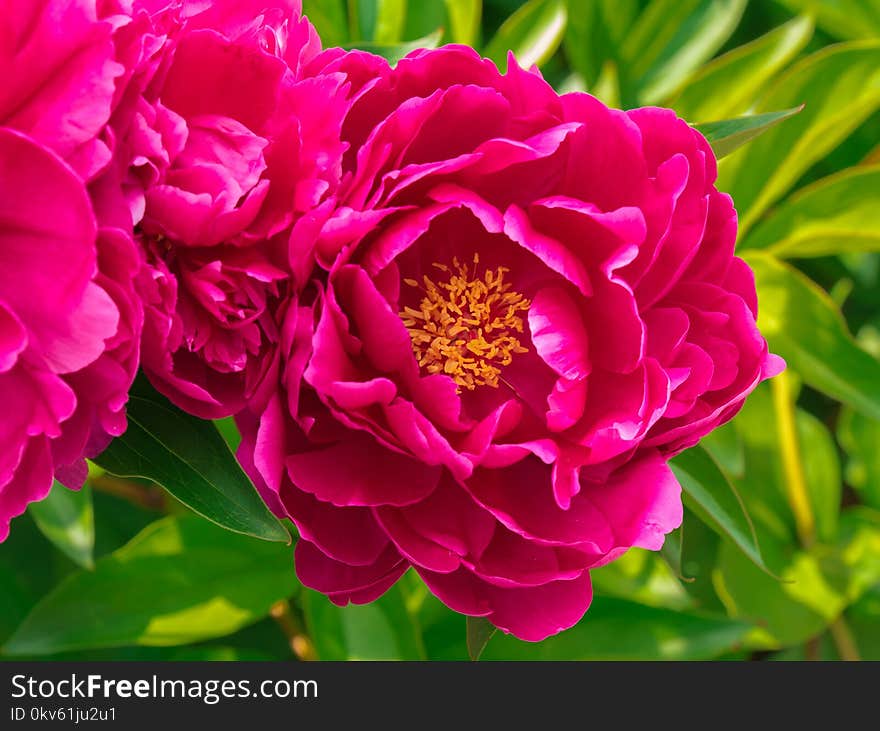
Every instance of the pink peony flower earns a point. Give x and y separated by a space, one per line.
232 140
70 325
531 302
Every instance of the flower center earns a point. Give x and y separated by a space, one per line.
465 327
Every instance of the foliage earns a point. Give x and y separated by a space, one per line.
779 553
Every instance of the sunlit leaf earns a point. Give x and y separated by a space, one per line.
67 518
533 33
695 41
840 86
464 20
728 85
838 214
181 580
844 18
802 325
393 53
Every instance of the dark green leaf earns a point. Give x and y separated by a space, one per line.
181 580
479 632
729 134
66 518
709 494
189 458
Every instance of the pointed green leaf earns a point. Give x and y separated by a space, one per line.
728 85
533 33
709 494
840 87
802 324
189 458
479 632
727 135
180 580
329 19
67 518
838 214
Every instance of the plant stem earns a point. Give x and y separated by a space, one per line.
844 640
795 481
300 644
148 498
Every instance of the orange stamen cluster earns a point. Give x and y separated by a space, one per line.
465 327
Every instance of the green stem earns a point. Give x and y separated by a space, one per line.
844 640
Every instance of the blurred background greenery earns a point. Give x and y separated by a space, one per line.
779 554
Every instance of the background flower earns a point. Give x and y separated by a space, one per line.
232 141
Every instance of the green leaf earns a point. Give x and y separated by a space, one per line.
728 85
617 629
390 21
821 467
189 458
835 215
382 630
67 518
843 18
641 576
328 17
699 552
393 53
181 580
840 86
694 42
709 494
479 632
802 325
464 20
594 33
533 33
727 135
860 437
790 610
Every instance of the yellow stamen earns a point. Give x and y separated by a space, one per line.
465 327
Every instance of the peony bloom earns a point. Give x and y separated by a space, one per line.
530 304
69 325
232 140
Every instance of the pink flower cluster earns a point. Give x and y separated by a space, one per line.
462 321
